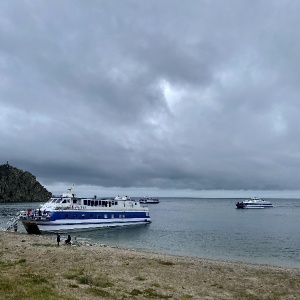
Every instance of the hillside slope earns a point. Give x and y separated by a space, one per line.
19 186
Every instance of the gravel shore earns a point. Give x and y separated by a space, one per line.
33 267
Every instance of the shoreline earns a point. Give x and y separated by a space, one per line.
118 273
90 242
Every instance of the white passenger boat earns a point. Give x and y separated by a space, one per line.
123 198
254 203
66 212
149 200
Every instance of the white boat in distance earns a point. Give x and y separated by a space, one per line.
66 212
254 203
149 200
122 198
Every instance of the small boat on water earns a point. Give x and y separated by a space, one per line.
122 198
254 203
66 212
149 200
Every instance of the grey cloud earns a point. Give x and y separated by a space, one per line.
172 95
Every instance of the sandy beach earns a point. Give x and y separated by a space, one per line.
34 267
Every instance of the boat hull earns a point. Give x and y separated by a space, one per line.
40 226
82 220
252 206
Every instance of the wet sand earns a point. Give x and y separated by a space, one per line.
94 271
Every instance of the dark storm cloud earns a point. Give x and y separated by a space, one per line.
160 94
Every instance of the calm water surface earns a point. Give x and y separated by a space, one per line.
206 228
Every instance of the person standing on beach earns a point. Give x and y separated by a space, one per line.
58 239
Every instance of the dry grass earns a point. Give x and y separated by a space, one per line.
32 267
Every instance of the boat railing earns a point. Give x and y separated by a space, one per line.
110 208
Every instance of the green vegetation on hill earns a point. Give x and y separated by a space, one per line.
19 186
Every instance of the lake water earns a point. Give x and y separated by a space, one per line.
206 228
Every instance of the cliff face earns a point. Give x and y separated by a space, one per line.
19 186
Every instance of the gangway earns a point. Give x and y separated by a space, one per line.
13 222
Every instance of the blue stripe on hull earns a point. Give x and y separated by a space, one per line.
78 220
84 215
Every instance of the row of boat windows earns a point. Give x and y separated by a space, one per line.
103 203
92 216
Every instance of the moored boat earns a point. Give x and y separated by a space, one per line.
122 198
149 200
254 203
67 212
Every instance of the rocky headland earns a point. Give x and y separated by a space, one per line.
20 186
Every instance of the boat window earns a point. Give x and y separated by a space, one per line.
105 216
89 202
96 203
99 216
75 201
67 216
116 202
92 216
83 216
112 216
75 216
84 202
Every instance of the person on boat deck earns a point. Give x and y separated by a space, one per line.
68 240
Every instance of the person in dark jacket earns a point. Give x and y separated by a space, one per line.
68 240
58 239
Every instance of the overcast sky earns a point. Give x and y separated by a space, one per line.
161 97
